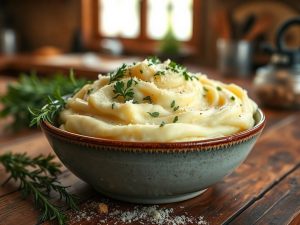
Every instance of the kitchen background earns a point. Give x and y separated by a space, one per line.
61 25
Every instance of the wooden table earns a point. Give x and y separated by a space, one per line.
265 189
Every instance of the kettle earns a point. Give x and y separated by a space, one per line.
278 83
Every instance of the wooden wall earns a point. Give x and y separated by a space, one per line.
44 22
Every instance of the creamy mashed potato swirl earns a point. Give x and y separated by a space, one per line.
158 102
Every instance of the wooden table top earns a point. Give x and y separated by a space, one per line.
265 189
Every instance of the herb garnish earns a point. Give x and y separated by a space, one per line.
153 114
38 177
205 88
162 123
177 68
49 111
90 91
219 88
232 98
158 73
118 74
30 91
175 119
187 76
153 59
148 98
113 105
124 91
175 108
172 103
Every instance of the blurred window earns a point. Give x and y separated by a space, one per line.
119 18
181 18
141 24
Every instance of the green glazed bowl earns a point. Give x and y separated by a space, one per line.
152 173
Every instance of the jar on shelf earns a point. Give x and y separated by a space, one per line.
278 83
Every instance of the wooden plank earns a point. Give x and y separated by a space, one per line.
280 205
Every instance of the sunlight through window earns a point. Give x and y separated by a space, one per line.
119 18
181 18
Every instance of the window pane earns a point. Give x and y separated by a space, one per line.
157 18
181 18
119 18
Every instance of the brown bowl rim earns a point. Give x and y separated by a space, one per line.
129 145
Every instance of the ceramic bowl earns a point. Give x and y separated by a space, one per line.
151 173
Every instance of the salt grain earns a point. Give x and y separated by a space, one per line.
137 214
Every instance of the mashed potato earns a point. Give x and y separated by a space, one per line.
159 102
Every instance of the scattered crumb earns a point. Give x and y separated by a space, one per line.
103 208
137 214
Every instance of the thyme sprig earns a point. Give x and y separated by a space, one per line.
37 177
118 74
49 111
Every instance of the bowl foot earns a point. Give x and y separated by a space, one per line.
158 200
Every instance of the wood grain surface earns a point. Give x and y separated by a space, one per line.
265 189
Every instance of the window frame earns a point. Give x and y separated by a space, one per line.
141 44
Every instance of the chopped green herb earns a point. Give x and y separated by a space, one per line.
125 92
153 114
141 71
205 88
90 91
172 103
113 105
118 74
162 124
148 98
232 98
153 59
176 108
134 63
158 73
219 88
187 76
175 67
175 119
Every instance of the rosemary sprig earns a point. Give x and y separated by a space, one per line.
30 91
38 177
